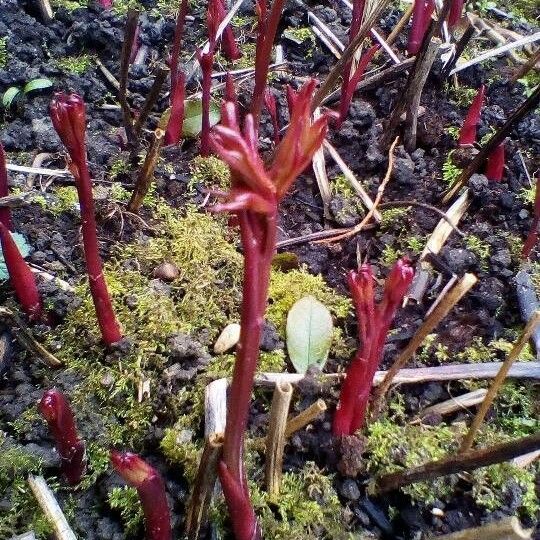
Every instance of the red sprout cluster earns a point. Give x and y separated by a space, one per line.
374 322
69 120
421 18
532 237
254 197
151 490
55 408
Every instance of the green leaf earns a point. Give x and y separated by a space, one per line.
37 84
9 95
309 334
24 248
193 117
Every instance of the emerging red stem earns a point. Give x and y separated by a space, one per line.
420 22
173 133
456 10
21 277
266 33
151 490
374 323
55 408
495 164
175 49
5 211
467 135
271 107
532 237
229 46
69 120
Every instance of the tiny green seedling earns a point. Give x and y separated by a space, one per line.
14 93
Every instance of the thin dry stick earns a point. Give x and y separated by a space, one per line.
147 172
429 324
498 137
110 78
527 66
296 423
505 529
26 339
319 170
380 192
400 25
458 403
151 98
319 235
215 407
466 445
203 488
349 175
414 93
46 11
275 441
333 77
51 508
457 463
132 20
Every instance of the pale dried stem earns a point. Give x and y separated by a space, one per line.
275 441
458 403
48 503
467 443
203 487
429 324
506 529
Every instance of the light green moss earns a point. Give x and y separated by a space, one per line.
392 217
341 186
481 249
450 171
210 172
65 199
3 52
126 500
76 64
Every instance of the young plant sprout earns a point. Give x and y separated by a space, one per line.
374 323
254 197
456 11
55 408
421 18
21 277
229 46
532 237
5 211
69 120
151 490
495 164
467 134
271 107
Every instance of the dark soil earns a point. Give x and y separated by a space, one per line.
488 312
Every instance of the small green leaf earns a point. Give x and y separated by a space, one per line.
309 334
37 84
9 95
24 248
193 117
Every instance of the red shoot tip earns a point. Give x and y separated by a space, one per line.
456 10
467 135
55 408
495 164
151 489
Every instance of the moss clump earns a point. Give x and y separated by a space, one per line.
126 500
461 95
210 172
341 186
65 199
392 217
3 52
288 287
450 171
76 65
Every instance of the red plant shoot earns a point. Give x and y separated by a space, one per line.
467 134
254 197
420 22
229 46
21 277
106 4
373 325
495 164
5 211
151 490
456 10
55 408
69 120
271 107
532 237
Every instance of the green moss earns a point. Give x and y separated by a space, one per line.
65 200
76 64
3 52
392 217
288 287
341 186
390 255
453 131
461 95
70 5
119 166
450 171
126 501
481 249
210 172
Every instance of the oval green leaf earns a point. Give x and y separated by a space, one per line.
37 84
309 334
193 117
24 248
9 95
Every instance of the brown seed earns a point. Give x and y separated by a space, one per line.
166 271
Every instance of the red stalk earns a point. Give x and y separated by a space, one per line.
151 490
21 277
467 135
106 4
266 33
456 10
175 49
230 92
229 46
420 22
5 212
254 197
69 120
271 107
532 237
135 44
173 134
374 322
55 408
495 164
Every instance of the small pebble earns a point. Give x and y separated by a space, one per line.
166 271
228 338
